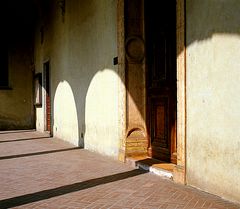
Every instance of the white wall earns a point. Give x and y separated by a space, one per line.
84 82
213 86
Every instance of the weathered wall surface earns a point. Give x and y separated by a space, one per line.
213 86
80 46
16 103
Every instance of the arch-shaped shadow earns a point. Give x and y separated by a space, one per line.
84 44
84 66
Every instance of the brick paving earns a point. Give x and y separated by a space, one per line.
41 172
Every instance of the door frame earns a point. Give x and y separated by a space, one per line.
47 78
179 173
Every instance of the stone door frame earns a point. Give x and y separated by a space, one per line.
179 173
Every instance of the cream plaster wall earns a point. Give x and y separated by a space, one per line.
16 104
80 46
101 113
213 86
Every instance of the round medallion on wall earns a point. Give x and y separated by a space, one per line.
135 49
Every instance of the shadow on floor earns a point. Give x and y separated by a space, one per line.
38 153
46 194
25 139
17 131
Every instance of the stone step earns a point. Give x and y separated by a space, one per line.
164 170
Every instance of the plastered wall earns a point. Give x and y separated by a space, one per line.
213 86
16 103
80 44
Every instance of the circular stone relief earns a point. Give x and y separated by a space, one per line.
135 49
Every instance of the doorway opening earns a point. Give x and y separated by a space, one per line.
152 54
161 90
46 73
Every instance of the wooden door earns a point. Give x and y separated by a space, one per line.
160 31
48 101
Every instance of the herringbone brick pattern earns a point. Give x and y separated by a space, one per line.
41 172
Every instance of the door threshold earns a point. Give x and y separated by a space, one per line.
152 165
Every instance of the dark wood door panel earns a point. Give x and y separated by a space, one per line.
160 30
159 127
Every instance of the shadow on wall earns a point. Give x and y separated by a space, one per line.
85 85
87 66
16 76
207 18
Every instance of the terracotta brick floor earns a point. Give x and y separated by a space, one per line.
41 172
